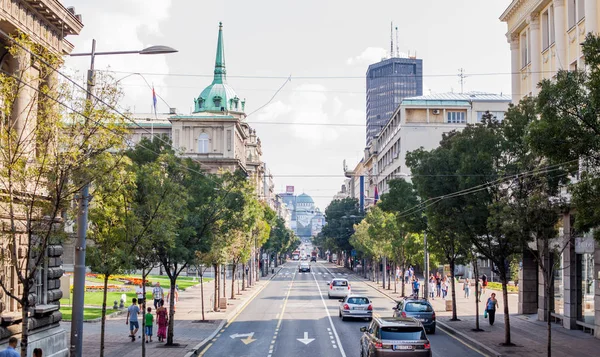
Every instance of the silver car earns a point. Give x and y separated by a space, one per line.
357 306
339 288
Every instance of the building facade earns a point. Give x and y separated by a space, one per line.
420 122
544 37
388 82
46 23
215 133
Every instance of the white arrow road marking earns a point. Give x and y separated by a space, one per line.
305 340
246 340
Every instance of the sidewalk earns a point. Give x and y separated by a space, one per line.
527 333
190 333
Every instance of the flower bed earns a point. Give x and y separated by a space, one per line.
110 287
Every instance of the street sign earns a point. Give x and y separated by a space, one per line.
353 252
289 189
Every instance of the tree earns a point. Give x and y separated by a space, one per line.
340 216
109 221
382 231
47 154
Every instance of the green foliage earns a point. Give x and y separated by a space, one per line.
340 216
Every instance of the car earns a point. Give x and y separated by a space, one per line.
338 288
394 336
357 306
304 267
419 309
313 258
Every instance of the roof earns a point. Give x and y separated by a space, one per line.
467 96
395 321
304 198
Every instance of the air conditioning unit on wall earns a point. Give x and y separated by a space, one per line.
436 111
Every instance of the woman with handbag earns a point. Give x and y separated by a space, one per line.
490 308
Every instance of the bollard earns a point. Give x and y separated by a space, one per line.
116 305
122 304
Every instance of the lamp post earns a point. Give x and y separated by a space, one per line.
82 212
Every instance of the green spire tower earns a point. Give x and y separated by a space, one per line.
219 96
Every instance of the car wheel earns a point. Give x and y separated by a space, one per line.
432 331
369 319
343 318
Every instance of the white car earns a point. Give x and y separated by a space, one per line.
358 306
339 288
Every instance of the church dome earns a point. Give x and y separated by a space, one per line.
219 96
304 198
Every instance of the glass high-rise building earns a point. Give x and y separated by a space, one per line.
388 82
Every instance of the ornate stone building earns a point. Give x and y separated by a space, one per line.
47 23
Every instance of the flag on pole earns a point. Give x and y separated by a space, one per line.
376 198
154 99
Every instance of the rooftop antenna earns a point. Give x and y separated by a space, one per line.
462 77
397 47
391 39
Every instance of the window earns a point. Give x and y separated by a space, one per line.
229 140
203 143
498 115
571 13
456 117
403 333
524 49
580 10
548 27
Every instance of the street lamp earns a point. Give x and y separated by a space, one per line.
82 213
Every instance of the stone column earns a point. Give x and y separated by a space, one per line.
591 16
560 34
528 285
515 68
569 277
21 114
535 51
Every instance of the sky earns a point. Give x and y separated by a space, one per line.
317 119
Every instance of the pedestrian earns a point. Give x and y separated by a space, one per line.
157 294
438 284
10 351
432 288
132 319
175 295
37 352
416 285
484 283
139 291
490 307
444 288
148 322
478 297
162 320
466 288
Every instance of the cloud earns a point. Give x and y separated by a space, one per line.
369 56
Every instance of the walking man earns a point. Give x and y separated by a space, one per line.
416 287
157 294
132 319
10 350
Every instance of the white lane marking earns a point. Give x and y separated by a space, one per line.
330 321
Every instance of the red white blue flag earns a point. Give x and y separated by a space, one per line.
154 99
376 198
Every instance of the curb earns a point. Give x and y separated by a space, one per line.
448 328
196 349
98 319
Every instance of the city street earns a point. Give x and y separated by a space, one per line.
293 316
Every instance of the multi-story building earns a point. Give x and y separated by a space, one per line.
302 213
544 37
388 82
215 133
47 23
421 122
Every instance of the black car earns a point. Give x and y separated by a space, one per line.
419 309
313 258
394 336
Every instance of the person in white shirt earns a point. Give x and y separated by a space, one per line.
158 295
139 291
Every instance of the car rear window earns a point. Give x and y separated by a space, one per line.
418 307
340 283
358 300
402 333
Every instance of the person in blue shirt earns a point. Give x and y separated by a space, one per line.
10 350
491 305
416 285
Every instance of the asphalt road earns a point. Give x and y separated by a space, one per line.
292 316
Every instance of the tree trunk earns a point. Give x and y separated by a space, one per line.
548 314
243 277
103 321
233 281
202 293
507 340
454 314
171 329
224 280
217 274
25 322
143 322
476 272
395 278
403 275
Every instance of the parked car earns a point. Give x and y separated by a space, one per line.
394 336
357 306
304 267
339 288
420 309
